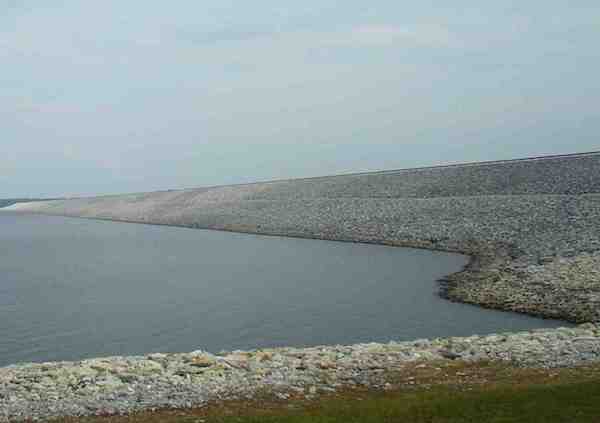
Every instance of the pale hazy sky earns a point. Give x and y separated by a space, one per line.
117 96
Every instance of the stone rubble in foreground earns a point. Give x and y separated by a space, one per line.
119 385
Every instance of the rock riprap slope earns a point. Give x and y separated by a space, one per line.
531 226
127 384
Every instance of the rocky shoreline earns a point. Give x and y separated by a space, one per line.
521 221
532 229
118 385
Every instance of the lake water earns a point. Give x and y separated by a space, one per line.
76 288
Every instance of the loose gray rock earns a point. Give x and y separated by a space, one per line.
117 385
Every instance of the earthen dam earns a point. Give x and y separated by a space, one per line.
531 226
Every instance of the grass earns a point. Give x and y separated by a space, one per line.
459 393
576 402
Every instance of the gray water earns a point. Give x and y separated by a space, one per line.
76 288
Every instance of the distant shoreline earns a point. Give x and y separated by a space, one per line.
506 262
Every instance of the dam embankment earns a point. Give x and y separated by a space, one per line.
532 226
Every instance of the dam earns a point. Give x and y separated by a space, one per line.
530 224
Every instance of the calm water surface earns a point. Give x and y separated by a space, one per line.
74 288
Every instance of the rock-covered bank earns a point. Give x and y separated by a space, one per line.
127 384
531 226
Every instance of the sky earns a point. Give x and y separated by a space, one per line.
127 96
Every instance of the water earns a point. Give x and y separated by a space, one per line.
75 288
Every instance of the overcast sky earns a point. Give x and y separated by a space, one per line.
119 96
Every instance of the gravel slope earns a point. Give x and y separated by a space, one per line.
127 384
518 219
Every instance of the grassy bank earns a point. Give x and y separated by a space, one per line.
444 392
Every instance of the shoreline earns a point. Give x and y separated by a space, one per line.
486 262
534 249
123 385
